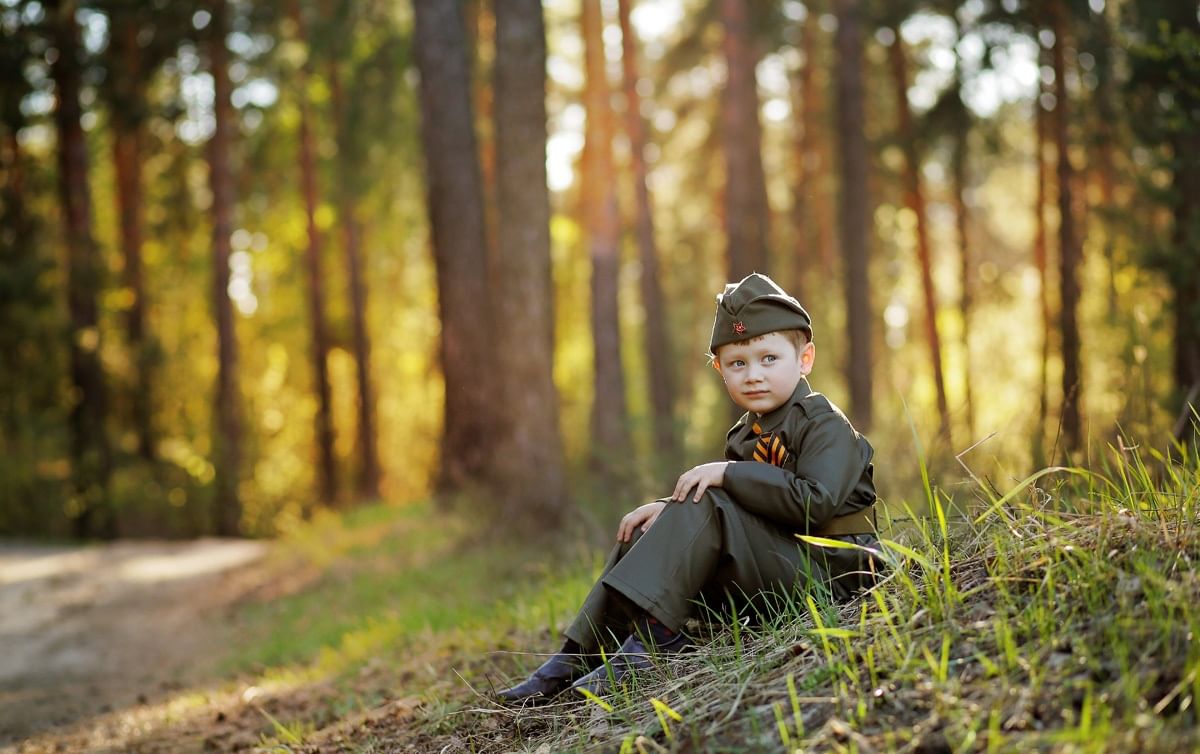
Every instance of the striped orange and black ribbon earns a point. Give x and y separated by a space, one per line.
769 448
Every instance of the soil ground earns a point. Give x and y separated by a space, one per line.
90 631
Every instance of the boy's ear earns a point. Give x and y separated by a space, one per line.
807 355
716 364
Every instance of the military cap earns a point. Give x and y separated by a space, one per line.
755 306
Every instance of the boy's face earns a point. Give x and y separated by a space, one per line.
761 375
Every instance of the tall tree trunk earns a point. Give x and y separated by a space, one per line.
90 451
529 465
818 127
480 26
368 452
854 215
914 199
227 439
1186 282
609 427
962 218
659 363
319 344
1040 257
127 125
459 235
1070 252
802 147
966 298
747 213
1106 122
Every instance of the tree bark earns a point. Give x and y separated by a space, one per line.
609 428
457 226
1186 284
1108 136
368 452
914 199
853 208
90 451
1185 237
127 124
962 219
529 463
747 213
1040 258
227 405
657 346
818 123
802 97
1070 251
319 344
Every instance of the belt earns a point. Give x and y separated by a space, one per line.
859 522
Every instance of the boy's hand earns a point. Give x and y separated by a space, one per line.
701 478
643 516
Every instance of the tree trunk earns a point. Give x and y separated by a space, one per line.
817 131
319 345
914 199
802 96
1186 283
1070 252
529 465
368 476
609 427
90 451
480 28
127 120
457 226
228 435
1108 136
747 221
854 215
962 218
659 363
1040 257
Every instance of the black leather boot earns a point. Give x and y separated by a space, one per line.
552 678
632 657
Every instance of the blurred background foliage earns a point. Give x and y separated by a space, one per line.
1019 111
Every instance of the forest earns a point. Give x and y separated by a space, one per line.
374 282
265 258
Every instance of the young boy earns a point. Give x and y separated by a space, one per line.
794 466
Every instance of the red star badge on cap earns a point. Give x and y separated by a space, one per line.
739 328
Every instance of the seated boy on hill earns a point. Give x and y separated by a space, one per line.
794 465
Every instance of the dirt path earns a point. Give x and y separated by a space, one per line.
84 631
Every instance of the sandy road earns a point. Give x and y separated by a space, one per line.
88 630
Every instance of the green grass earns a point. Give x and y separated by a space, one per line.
1062 615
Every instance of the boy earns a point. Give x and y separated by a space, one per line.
794 465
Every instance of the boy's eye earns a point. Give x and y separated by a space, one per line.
769 358
738 363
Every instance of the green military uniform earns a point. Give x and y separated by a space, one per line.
799 469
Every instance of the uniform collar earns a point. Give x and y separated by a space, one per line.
771 420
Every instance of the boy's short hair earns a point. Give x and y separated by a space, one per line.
798 338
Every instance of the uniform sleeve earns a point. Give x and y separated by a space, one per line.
829 463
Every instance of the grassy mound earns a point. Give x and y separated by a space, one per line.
1059 618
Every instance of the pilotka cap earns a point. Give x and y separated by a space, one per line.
755 306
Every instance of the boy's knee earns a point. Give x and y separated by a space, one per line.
711 502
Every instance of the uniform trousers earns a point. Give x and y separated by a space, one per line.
711 551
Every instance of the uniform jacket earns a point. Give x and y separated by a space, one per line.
816 467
